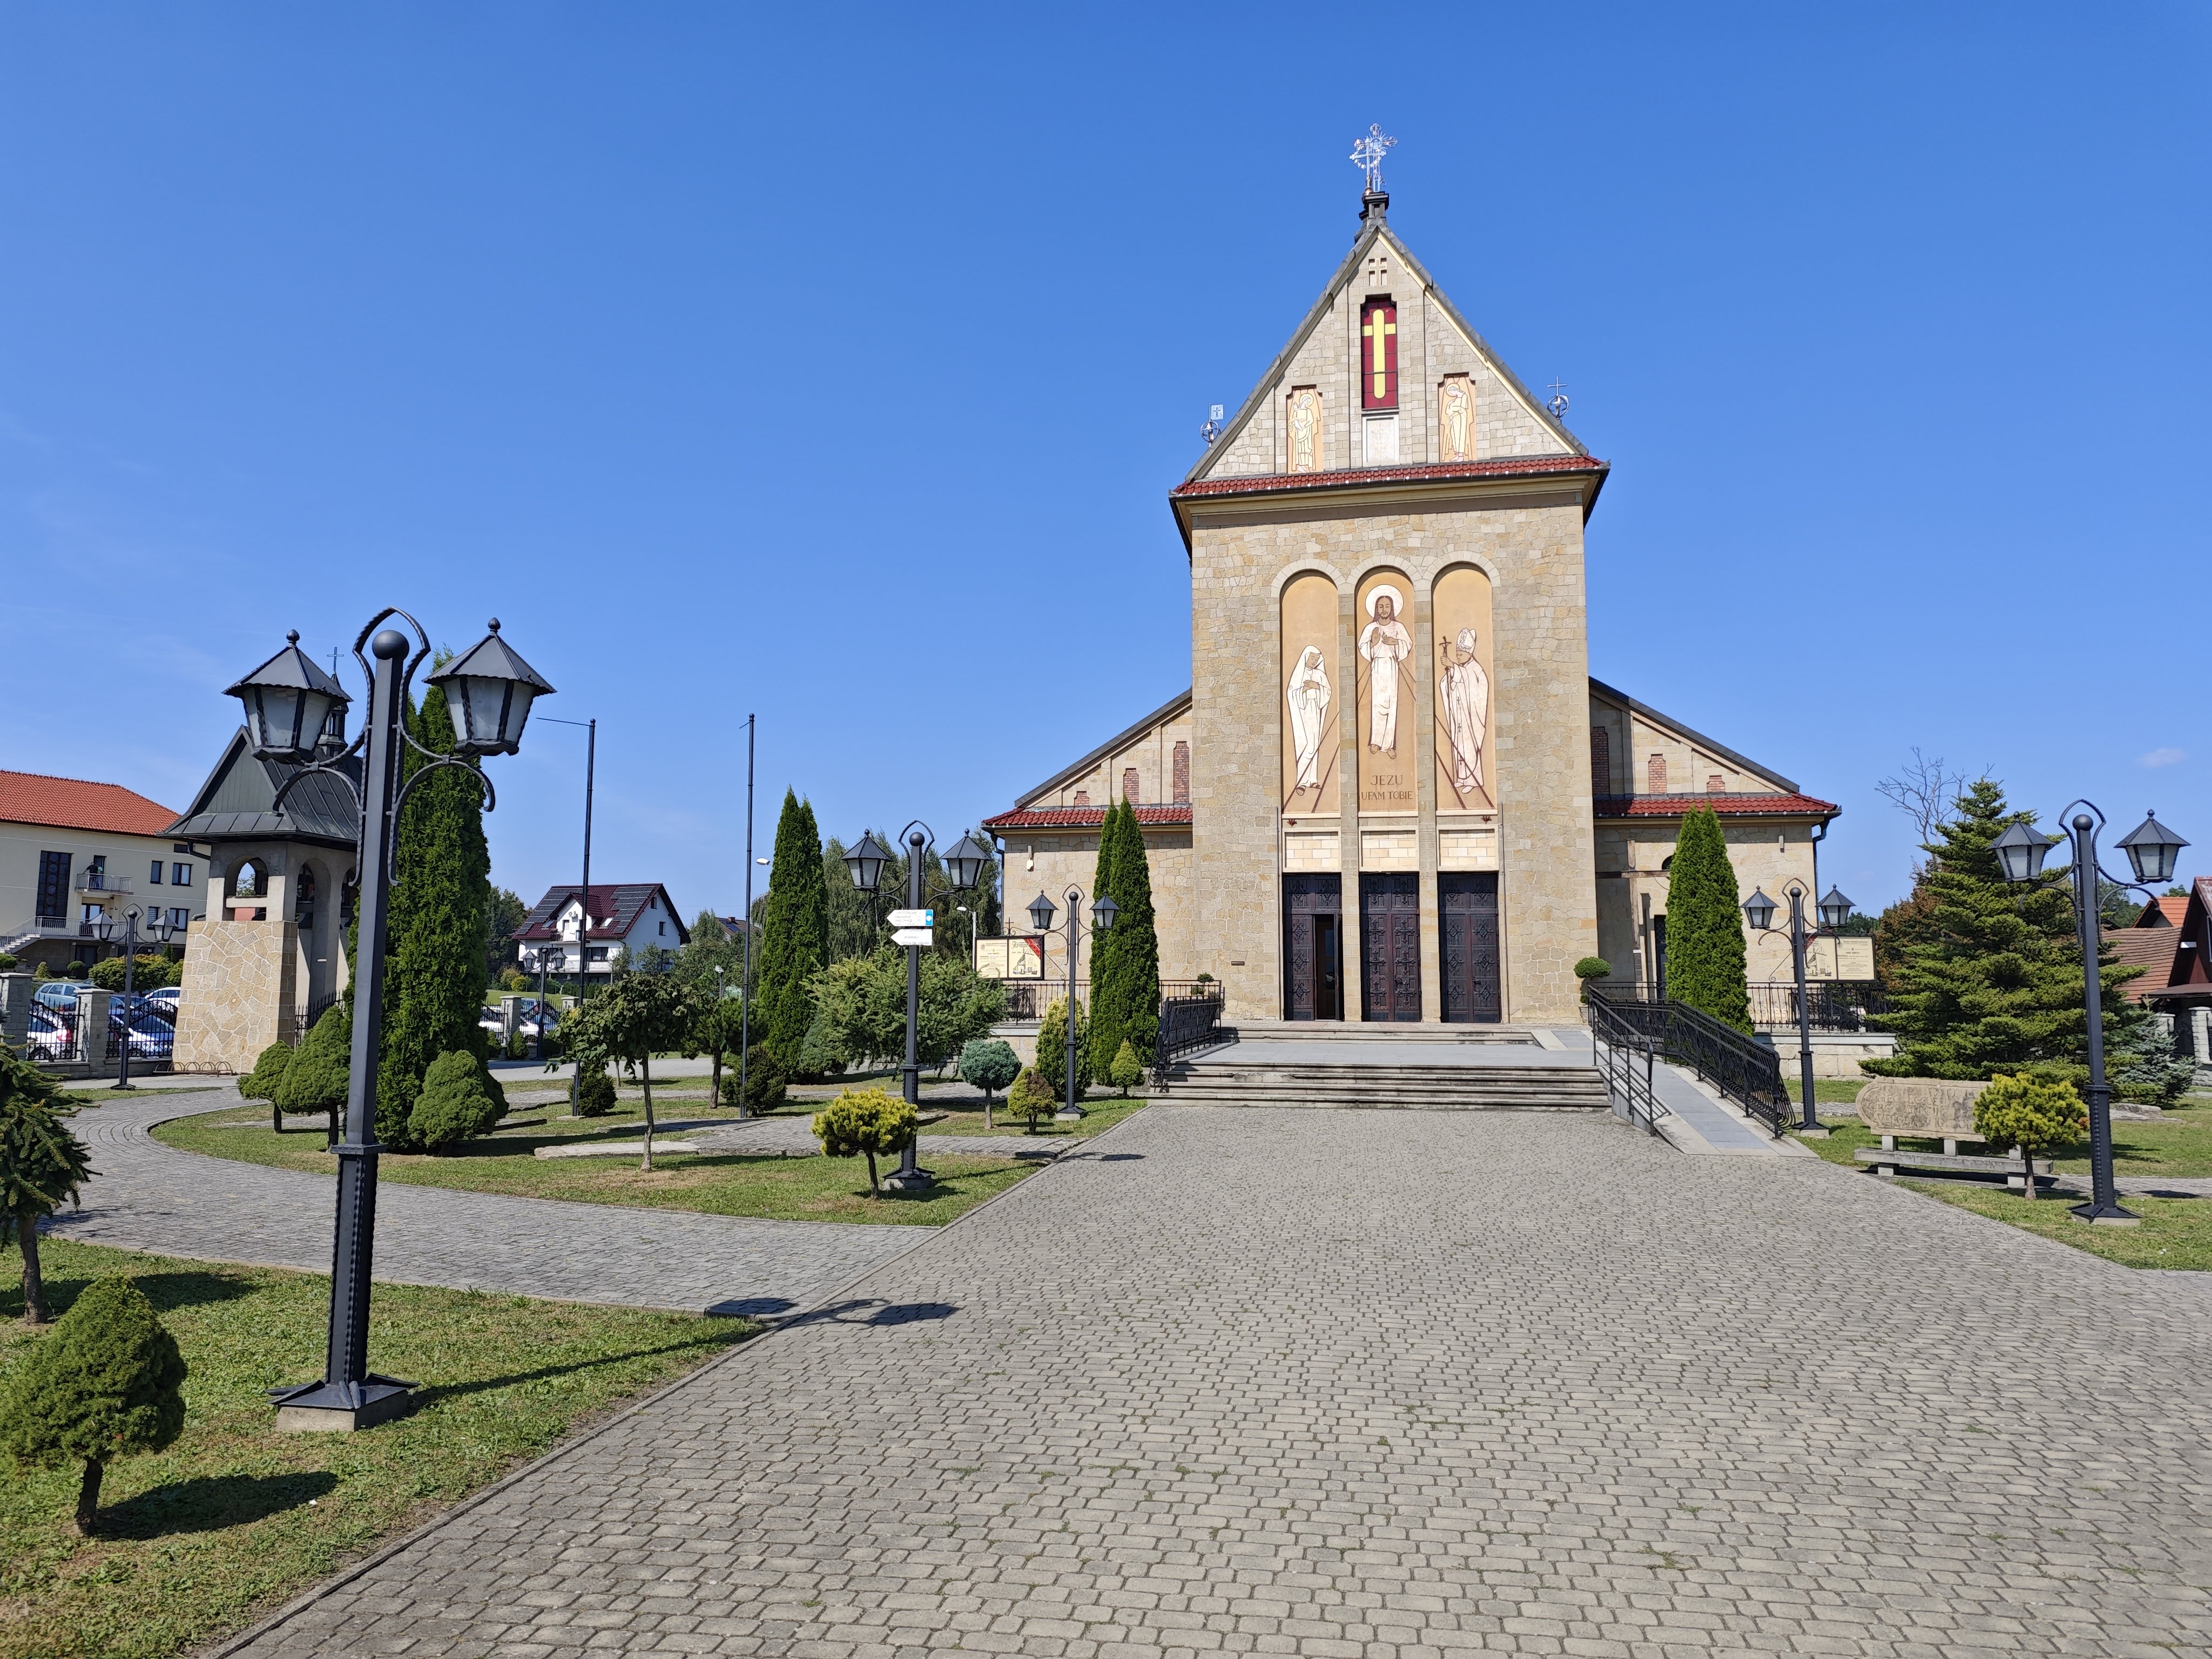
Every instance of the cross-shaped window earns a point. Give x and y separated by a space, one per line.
1378 354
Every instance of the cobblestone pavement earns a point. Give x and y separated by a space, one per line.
793 1137
152 1197
1383 1386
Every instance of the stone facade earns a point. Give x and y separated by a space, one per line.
267 959
1561 813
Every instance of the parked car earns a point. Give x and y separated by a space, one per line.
60 994
48 1038
168 996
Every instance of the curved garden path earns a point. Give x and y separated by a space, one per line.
151 1197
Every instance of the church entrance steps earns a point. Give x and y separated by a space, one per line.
1410 1076
1378 1031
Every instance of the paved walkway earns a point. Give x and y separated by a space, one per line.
1697 1121
152 1197
1387 1386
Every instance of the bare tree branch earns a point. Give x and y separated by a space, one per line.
1924 791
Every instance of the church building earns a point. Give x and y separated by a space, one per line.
1393 792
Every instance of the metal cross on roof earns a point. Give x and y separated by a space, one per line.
1558 404
1367 155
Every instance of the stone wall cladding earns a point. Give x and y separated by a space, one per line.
239 991
1533 549
1072 858
1767 853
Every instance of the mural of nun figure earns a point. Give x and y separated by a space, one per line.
1309 698
1466 710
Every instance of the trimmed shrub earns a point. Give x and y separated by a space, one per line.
1705 927
456 1102
2033 1113
1591 967
865 1123
1052 1049
6 963
74 970
1032 1098
265 1078
318 1077
765 1083
148 972
990 1065
107 1383
794 936
1126 1070
595 1095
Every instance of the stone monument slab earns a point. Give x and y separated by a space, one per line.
1936 1107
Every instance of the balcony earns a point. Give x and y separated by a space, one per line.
102 887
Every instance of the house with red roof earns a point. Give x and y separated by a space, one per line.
72 851
627 919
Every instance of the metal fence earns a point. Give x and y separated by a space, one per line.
1626 1056
1834 1007
1188 1019
1028 999
1745 1071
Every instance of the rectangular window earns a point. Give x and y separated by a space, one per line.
599 952
53 889
180 920
664 933
180 875
1601 760
155 879
1378 354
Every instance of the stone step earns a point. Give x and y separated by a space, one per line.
1346 1030
1430 1088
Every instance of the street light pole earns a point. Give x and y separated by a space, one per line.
288 703
2151 849
1834 911
1103 912
158 931
745 1013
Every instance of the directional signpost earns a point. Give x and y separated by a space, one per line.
911 928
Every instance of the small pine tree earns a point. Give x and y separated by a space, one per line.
265 1078
988 1064
1124 967
1052 1050
765 1083
1704 928
794 936
318 1078
108 1382
1032 1098
41 1164
457 1102
2033 1113
865 1123
595 1094
1126 1070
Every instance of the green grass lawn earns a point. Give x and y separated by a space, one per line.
1843 1091
783 1189
1100 1113
2175 1232
2180 1144
234 1518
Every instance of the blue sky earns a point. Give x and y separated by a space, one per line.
835 363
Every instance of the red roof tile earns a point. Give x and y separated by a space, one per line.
2171 906
1509 466
1672 806
1082 817
74 803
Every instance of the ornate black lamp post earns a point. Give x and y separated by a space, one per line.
157 932
963 865
2151 849
542 960
1102 916
1834 911
288 702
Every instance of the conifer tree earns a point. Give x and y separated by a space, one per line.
1988 978
1125 973
41 1164
794 936
319 1077
107 1383
435 976
1105 1034
1705 927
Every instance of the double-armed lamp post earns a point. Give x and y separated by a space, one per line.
1834 911
2152 849
1102 916
913 927
157 932
294 717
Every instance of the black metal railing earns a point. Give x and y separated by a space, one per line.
1626 1056
1746 1072
1834 1006
1189 1019
1028 999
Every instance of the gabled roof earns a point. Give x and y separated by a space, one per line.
1788 786
1161 814
1178 704
1790 805
2165 911
238 802
75 803
1375 230
2177 957
615 908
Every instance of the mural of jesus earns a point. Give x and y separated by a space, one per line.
1383 644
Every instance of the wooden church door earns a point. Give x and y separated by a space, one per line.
1469 904
1390 953
1313 917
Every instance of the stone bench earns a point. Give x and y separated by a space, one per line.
1931 1108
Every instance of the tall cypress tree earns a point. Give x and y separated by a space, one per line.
1704 928
435 977
1105 1006
1125 975
1990 977
794 935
